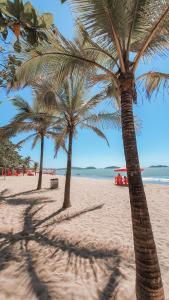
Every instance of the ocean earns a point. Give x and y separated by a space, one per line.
149 175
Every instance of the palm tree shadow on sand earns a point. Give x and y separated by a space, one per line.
86 263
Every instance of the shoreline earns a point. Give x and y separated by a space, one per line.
99 178
155 182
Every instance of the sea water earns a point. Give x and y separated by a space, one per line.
149 175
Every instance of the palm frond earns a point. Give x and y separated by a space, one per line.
58 59
106 21
158 24
60 140
26 139
36 138
137 26
21 105
7 131
106 120
16 127
95 130
33 118
58 144
109 32
90 104
109 89
153 81
90 44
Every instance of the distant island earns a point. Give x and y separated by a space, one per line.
159 166
90 168
111 167
78 168
73 168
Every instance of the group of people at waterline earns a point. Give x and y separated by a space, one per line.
119 180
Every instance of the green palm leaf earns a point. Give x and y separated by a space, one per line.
105 119
60 140
36 139
153 81
23 141
95 130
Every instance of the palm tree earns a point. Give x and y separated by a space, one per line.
74 111
33 119
114 37
26 164
35 167
27 161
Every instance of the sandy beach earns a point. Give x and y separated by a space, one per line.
83 253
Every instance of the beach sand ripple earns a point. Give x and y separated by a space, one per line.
85 252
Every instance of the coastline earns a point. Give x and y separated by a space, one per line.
146 180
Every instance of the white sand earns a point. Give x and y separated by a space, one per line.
85 252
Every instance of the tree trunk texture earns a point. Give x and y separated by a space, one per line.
66 202
41 164
148 277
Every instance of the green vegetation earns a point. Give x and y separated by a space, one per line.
7 69
35 167
112 167
75 111
90 168
34 120
159 166
73 168
27 162
23 20
9 156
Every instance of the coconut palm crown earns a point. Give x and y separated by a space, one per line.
75 111
36 120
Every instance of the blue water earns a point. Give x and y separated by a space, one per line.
150 175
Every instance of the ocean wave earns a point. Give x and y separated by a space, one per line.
156 179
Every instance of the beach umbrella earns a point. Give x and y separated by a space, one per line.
125 170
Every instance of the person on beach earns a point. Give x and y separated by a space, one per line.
23 170
3 172
9 173
118 179
125 180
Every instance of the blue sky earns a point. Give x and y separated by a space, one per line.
89 150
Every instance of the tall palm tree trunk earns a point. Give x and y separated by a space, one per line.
66 202
148 277
41 163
